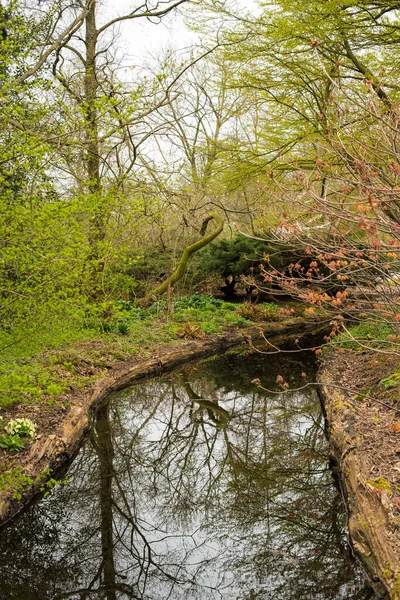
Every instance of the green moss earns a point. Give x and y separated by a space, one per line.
381 484
340 405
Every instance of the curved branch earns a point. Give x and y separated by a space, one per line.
189 250
135 14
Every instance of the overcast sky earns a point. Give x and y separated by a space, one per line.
140 38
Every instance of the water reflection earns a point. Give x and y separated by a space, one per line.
197 486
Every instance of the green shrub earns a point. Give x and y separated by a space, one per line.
237 256
199 301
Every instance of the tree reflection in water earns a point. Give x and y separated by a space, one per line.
196 486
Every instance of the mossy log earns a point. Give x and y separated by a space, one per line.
182 266
373 528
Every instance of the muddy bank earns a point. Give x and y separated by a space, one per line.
366 447
51 452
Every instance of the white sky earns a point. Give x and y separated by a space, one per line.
140 38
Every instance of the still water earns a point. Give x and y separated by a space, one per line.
196 486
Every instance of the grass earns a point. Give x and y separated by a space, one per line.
372 335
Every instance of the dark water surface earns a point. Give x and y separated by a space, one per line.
196 486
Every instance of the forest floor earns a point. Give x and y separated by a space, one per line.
361 396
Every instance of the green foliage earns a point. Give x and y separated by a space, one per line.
11 442
198 301
131 272
123 327
253 258
235 320
43 239
210 327
212 313
49 483
28 382
16 481
373 335
136 313
391 382
238 256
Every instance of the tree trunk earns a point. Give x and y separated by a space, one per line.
96 210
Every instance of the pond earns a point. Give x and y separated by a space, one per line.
199 485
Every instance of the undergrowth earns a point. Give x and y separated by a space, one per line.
43 367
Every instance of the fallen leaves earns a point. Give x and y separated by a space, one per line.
394 427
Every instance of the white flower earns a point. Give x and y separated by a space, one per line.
21 427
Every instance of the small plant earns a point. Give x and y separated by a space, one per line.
21 428
234 320
124 305
51 483
199 301
391 382
192 331
15 480
123 327
106 327
13 443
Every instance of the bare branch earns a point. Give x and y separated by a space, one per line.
137 15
